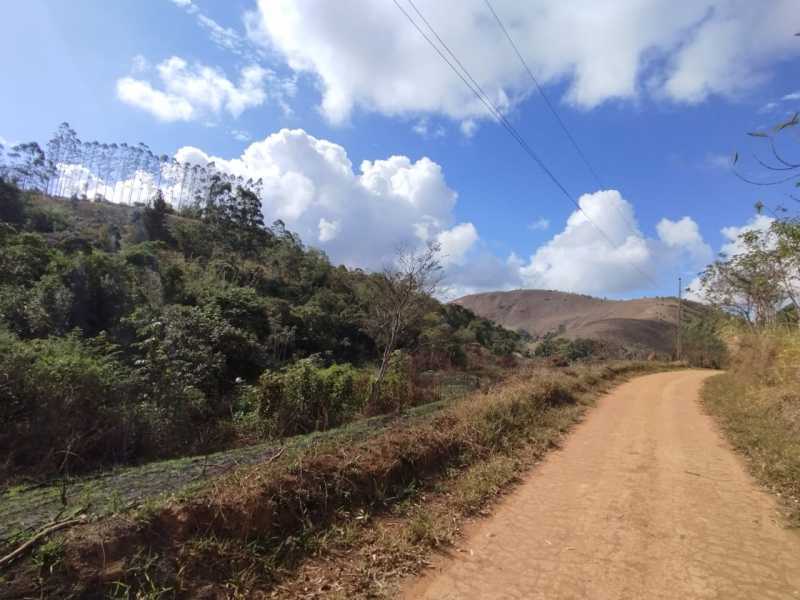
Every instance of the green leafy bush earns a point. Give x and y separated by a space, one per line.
65 404
188 346
570 350
24 258
702 345
48 219
397 390
306 398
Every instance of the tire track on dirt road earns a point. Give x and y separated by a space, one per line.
644 500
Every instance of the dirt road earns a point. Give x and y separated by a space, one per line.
644 501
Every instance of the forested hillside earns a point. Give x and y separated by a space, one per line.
134 332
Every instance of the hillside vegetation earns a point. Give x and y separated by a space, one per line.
129 333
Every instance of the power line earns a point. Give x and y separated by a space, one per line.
476 89
553 110
544 96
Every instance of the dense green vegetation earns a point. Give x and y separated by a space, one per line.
701 341
133 332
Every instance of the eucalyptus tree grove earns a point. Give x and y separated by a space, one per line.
120 173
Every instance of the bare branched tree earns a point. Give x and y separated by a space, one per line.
400 296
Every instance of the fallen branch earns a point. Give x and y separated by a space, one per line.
274 457
42 534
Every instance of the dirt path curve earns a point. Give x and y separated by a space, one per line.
645 500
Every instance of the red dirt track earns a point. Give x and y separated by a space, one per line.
645 500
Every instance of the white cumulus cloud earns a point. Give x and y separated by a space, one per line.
358 217
365 54
684 234
602 250
731 49
456 242
192 92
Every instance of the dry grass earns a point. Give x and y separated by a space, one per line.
758 405
346 516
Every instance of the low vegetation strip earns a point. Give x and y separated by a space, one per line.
757 404
257 522
23 508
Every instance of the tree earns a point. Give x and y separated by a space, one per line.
154 219
235 214
27 167
248 219
399 298
12 205
761 279
787 257
61 149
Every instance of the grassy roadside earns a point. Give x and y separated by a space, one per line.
372 555
348 514
757 404
762 422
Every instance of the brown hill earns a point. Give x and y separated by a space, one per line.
644 324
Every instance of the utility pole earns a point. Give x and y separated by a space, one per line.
680 318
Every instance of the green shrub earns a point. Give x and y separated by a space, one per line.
397 389
306 398
24 258
64 404
143 256
347 389
189 346
570 350
195 319
702 345
48 219
47 308
193 239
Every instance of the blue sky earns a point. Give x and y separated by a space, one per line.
657 93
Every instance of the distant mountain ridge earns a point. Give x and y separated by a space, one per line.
643 323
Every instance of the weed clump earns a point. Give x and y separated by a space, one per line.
306 398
